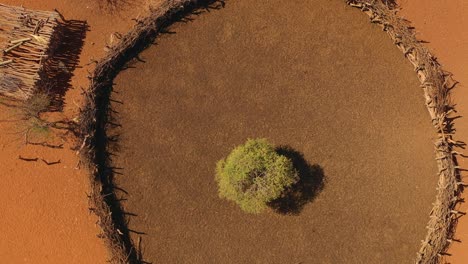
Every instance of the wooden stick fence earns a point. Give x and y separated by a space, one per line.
436 85
25 44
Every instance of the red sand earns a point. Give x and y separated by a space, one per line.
44 211
445 25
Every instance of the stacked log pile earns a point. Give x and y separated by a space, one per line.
25 44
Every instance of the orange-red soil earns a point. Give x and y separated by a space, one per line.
315 76
445 25
44 215
44 212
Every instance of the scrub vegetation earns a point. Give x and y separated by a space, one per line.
254 174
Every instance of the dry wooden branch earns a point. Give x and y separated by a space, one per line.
50 163
20 40
3 63
27 159
12 47
44 144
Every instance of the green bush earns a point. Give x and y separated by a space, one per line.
254 174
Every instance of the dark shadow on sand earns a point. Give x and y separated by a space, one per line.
311 182
59 69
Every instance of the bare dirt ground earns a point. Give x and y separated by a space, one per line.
317 77
45 217
444 24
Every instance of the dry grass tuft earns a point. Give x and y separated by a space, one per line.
35 105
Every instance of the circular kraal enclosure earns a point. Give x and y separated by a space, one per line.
316 79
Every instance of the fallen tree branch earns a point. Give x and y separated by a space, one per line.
51 163
28 159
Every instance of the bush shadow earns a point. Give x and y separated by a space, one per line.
311 182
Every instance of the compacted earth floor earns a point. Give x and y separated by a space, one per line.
316 77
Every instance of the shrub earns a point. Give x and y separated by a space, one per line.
37 104
254 174
33 126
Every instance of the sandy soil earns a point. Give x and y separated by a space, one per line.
444 24
317 77
45 217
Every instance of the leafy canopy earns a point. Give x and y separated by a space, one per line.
254 174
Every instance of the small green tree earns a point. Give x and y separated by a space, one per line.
254 174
